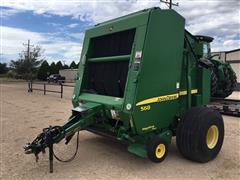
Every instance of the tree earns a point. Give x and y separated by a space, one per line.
53 69
59 66
3 68
44 71
65 66
73 65
28 63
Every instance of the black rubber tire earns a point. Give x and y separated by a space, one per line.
192 133
234 83
151 148
233 80
227 85
214 82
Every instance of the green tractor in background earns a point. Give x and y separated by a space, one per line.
223 78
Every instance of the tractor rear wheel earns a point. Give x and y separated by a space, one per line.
214 82
233 80
227 90
200 134
157 149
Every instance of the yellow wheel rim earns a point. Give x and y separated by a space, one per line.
160 151
212 136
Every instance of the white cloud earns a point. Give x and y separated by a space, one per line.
6 13
76 35
227 44
73 25
73 53
216 18
13 39
54 24
93 11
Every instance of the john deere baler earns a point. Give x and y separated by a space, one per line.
142 80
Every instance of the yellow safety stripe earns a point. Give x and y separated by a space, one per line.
183 93
169 97
149 128
194 91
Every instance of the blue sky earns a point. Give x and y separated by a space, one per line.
58 26
45 23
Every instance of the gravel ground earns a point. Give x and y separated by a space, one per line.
23 115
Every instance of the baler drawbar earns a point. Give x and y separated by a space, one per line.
81 118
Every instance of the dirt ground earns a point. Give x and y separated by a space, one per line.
23 115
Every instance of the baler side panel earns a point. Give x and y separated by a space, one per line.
160 71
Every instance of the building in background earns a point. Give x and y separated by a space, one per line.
233 58
69 74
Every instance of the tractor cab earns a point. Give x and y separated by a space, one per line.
205 44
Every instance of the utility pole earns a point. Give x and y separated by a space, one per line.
29 56
170 3
28 49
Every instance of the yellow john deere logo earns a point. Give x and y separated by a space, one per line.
158 99
169 97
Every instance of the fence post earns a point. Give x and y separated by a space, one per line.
44 88
61 90
31 86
